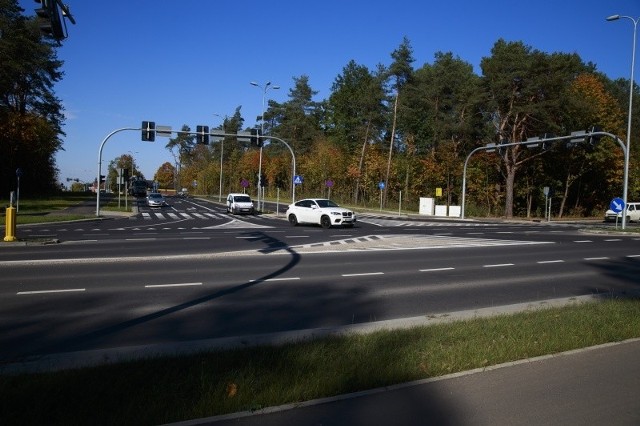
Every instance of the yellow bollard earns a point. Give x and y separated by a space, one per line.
10 224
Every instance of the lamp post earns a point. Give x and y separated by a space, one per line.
221 153
628 145
264 88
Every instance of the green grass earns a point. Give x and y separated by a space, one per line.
161 390
52 209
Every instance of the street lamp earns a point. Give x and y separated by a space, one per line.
628 146
221 153
264 88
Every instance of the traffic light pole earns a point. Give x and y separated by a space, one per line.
100 164
535 142
203 132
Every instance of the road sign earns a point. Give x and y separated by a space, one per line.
163 131
329 183
244 183
617 205
297 180
381 185
244 136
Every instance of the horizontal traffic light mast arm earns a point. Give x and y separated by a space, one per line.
582 136
492 147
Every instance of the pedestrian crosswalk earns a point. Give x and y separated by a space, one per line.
179 216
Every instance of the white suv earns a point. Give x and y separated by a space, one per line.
633 213
321 212
239 203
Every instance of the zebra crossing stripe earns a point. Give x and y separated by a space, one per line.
146 216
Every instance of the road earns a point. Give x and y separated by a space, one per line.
130 282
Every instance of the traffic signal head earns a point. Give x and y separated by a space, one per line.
255 138
148 131
592 139
50 20
202 135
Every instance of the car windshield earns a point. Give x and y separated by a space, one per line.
326 203
155 195
242 199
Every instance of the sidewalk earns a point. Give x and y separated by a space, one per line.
594 386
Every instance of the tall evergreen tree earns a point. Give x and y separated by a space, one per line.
524 90
401 72
356 112
30 114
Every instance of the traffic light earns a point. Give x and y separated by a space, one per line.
255 138
263 180
148 131
591 139
102 178
202 135
50 20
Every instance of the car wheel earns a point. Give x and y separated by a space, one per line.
325 222
293 219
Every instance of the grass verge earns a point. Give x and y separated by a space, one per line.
55 208
161 390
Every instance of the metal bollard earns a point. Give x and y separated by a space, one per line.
10 224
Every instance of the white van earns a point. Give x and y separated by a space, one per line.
633 213
239 203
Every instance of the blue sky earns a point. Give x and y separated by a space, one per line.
183 62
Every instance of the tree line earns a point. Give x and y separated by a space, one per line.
412 129
407 126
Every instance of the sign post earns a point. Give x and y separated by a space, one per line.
329 184
381 186
617 205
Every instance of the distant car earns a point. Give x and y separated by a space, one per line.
239 203
320 211
633 213
155 199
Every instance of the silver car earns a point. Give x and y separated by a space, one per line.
155 199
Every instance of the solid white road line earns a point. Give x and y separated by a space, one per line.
52 291
435 269
171 285
363 274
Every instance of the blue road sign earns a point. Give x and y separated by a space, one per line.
297 180
381 185
617 205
